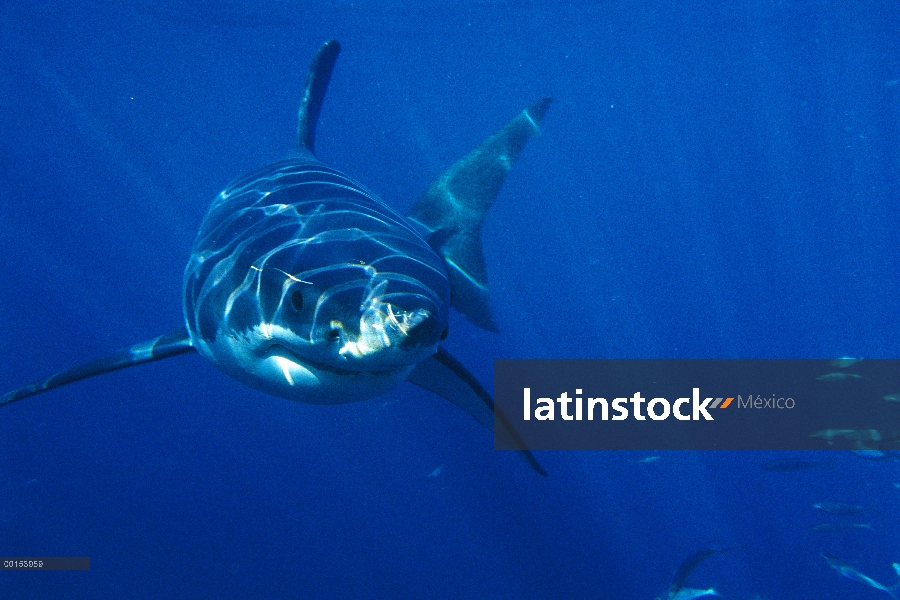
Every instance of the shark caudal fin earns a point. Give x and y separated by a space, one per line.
452 211
173 344
448 378
314 94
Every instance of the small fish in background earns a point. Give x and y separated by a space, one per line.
843 362
838 376
891 397
862 437
850 572
677 591
830 435
839 527
436 473
647 460
691 593
874 454
840 508
790 465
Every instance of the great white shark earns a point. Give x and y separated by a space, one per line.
302 283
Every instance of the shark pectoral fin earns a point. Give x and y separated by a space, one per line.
172 344
447 377
453 209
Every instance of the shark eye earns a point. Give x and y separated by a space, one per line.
444 334
297 300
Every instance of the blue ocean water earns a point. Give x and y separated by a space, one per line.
713 179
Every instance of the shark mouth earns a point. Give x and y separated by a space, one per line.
289 375
289 361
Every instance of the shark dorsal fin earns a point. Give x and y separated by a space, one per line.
314 94
452 211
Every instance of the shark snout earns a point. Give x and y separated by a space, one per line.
383 333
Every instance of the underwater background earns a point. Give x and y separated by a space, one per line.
713 180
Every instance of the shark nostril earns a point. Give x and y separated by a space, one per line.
297 300
421 334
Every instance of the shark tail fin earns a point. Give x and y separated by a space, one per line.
172 344
314 94
453 209
448 378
